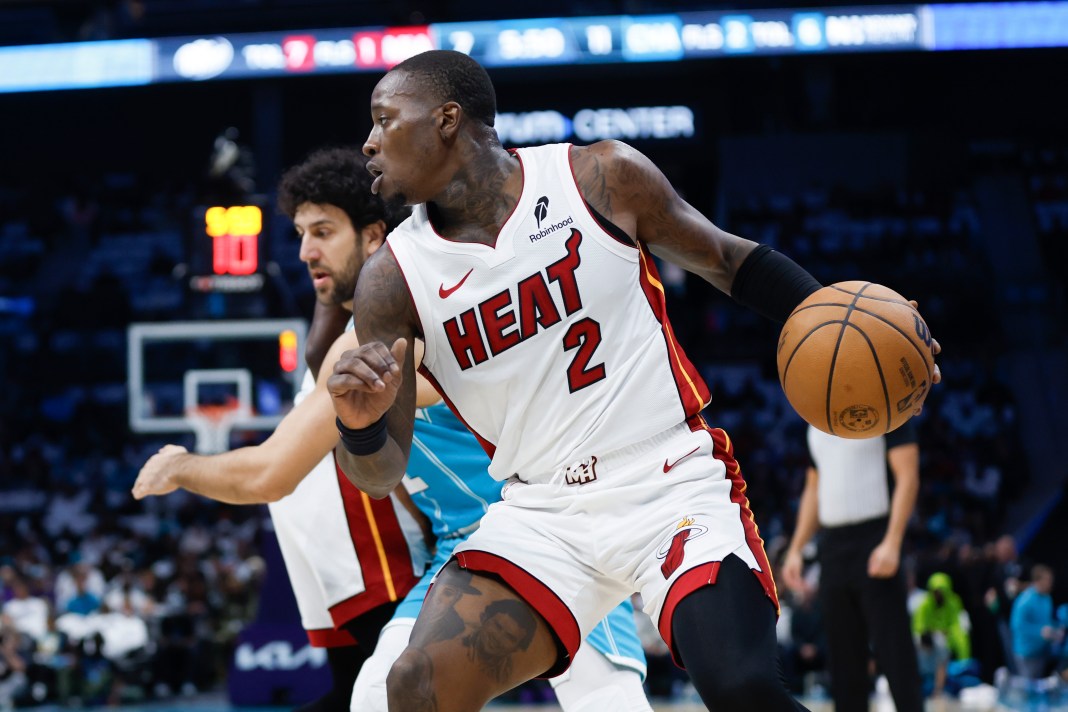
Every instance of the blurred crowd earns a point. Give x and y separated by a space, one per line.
105 603
105 599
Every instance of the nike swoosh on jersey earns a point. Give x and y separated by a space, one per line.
667 467
444 293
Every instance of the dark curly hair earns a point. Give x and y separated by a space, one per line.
453 76
336 176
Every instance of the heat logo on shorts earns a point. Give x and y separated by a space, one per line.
580 473
672 551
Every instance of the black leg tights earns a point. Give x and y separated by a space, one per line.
725 635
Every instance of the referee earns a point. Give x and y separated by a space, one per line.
862 589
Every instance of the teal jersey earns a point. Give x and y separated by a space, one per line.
447 473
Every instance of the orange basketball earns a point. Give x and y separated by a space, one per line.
855 359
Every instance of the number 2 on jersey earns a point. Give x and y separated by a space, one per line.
584 335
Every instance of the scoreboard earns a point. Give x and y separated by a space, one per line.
540 41
226 248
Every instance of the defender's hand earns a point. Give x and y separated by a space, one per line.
155 477
365 382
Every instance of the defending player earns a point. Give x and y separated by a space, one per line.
528 275
327 197
346 586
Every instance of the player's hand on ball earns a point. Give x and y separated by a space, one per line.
936 348
365 382
155 478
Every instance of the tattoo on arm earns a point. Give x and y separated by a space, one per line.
628 189
383 311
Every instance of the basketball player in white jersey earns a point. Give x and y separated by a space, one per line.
341 224
529 276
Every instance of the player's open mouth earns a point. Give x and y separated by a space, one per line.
377 173
319 278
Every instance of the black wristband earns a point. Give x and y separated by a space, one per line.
771 284
363 441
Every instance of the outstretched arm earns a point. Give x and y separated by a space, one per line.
261 473
628 189
377 380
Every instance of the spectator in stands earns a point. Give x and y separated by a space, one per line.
26 613
939 627
84 601
1034 628
12 665
1004 586
66 584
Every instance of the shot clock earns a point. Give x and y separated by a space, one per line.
227 248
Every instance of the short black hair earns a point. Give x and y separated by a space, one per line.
453 76
337 176
518 612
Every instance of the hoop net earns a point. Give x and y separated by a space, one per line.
212 423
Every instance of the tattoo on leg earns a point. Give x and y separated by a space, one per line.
507 627
415 691
446 623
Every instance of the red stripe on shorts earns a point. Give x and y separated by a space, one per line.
381 550
723 451
537 595
330 638
705 574
687 583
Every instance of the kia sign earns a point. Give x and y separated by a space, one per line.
274 664
640 123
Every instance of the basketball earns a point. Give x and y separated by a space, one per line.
855 359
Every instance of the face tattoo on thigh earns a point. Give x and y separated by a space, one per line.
507 627
446 622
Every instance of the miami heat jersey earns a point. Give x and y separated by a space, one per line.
532 340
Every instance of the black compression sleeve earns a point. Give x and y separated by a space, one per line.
771 284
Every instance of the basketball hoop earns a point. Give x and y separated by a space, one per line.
212 423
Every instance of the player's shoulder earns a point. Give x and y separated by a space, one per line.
608 153
611 164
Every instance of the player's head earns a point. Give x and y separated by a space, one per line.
422 112
340 223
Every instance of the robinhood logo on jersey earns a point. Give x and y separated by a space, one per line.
553 227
